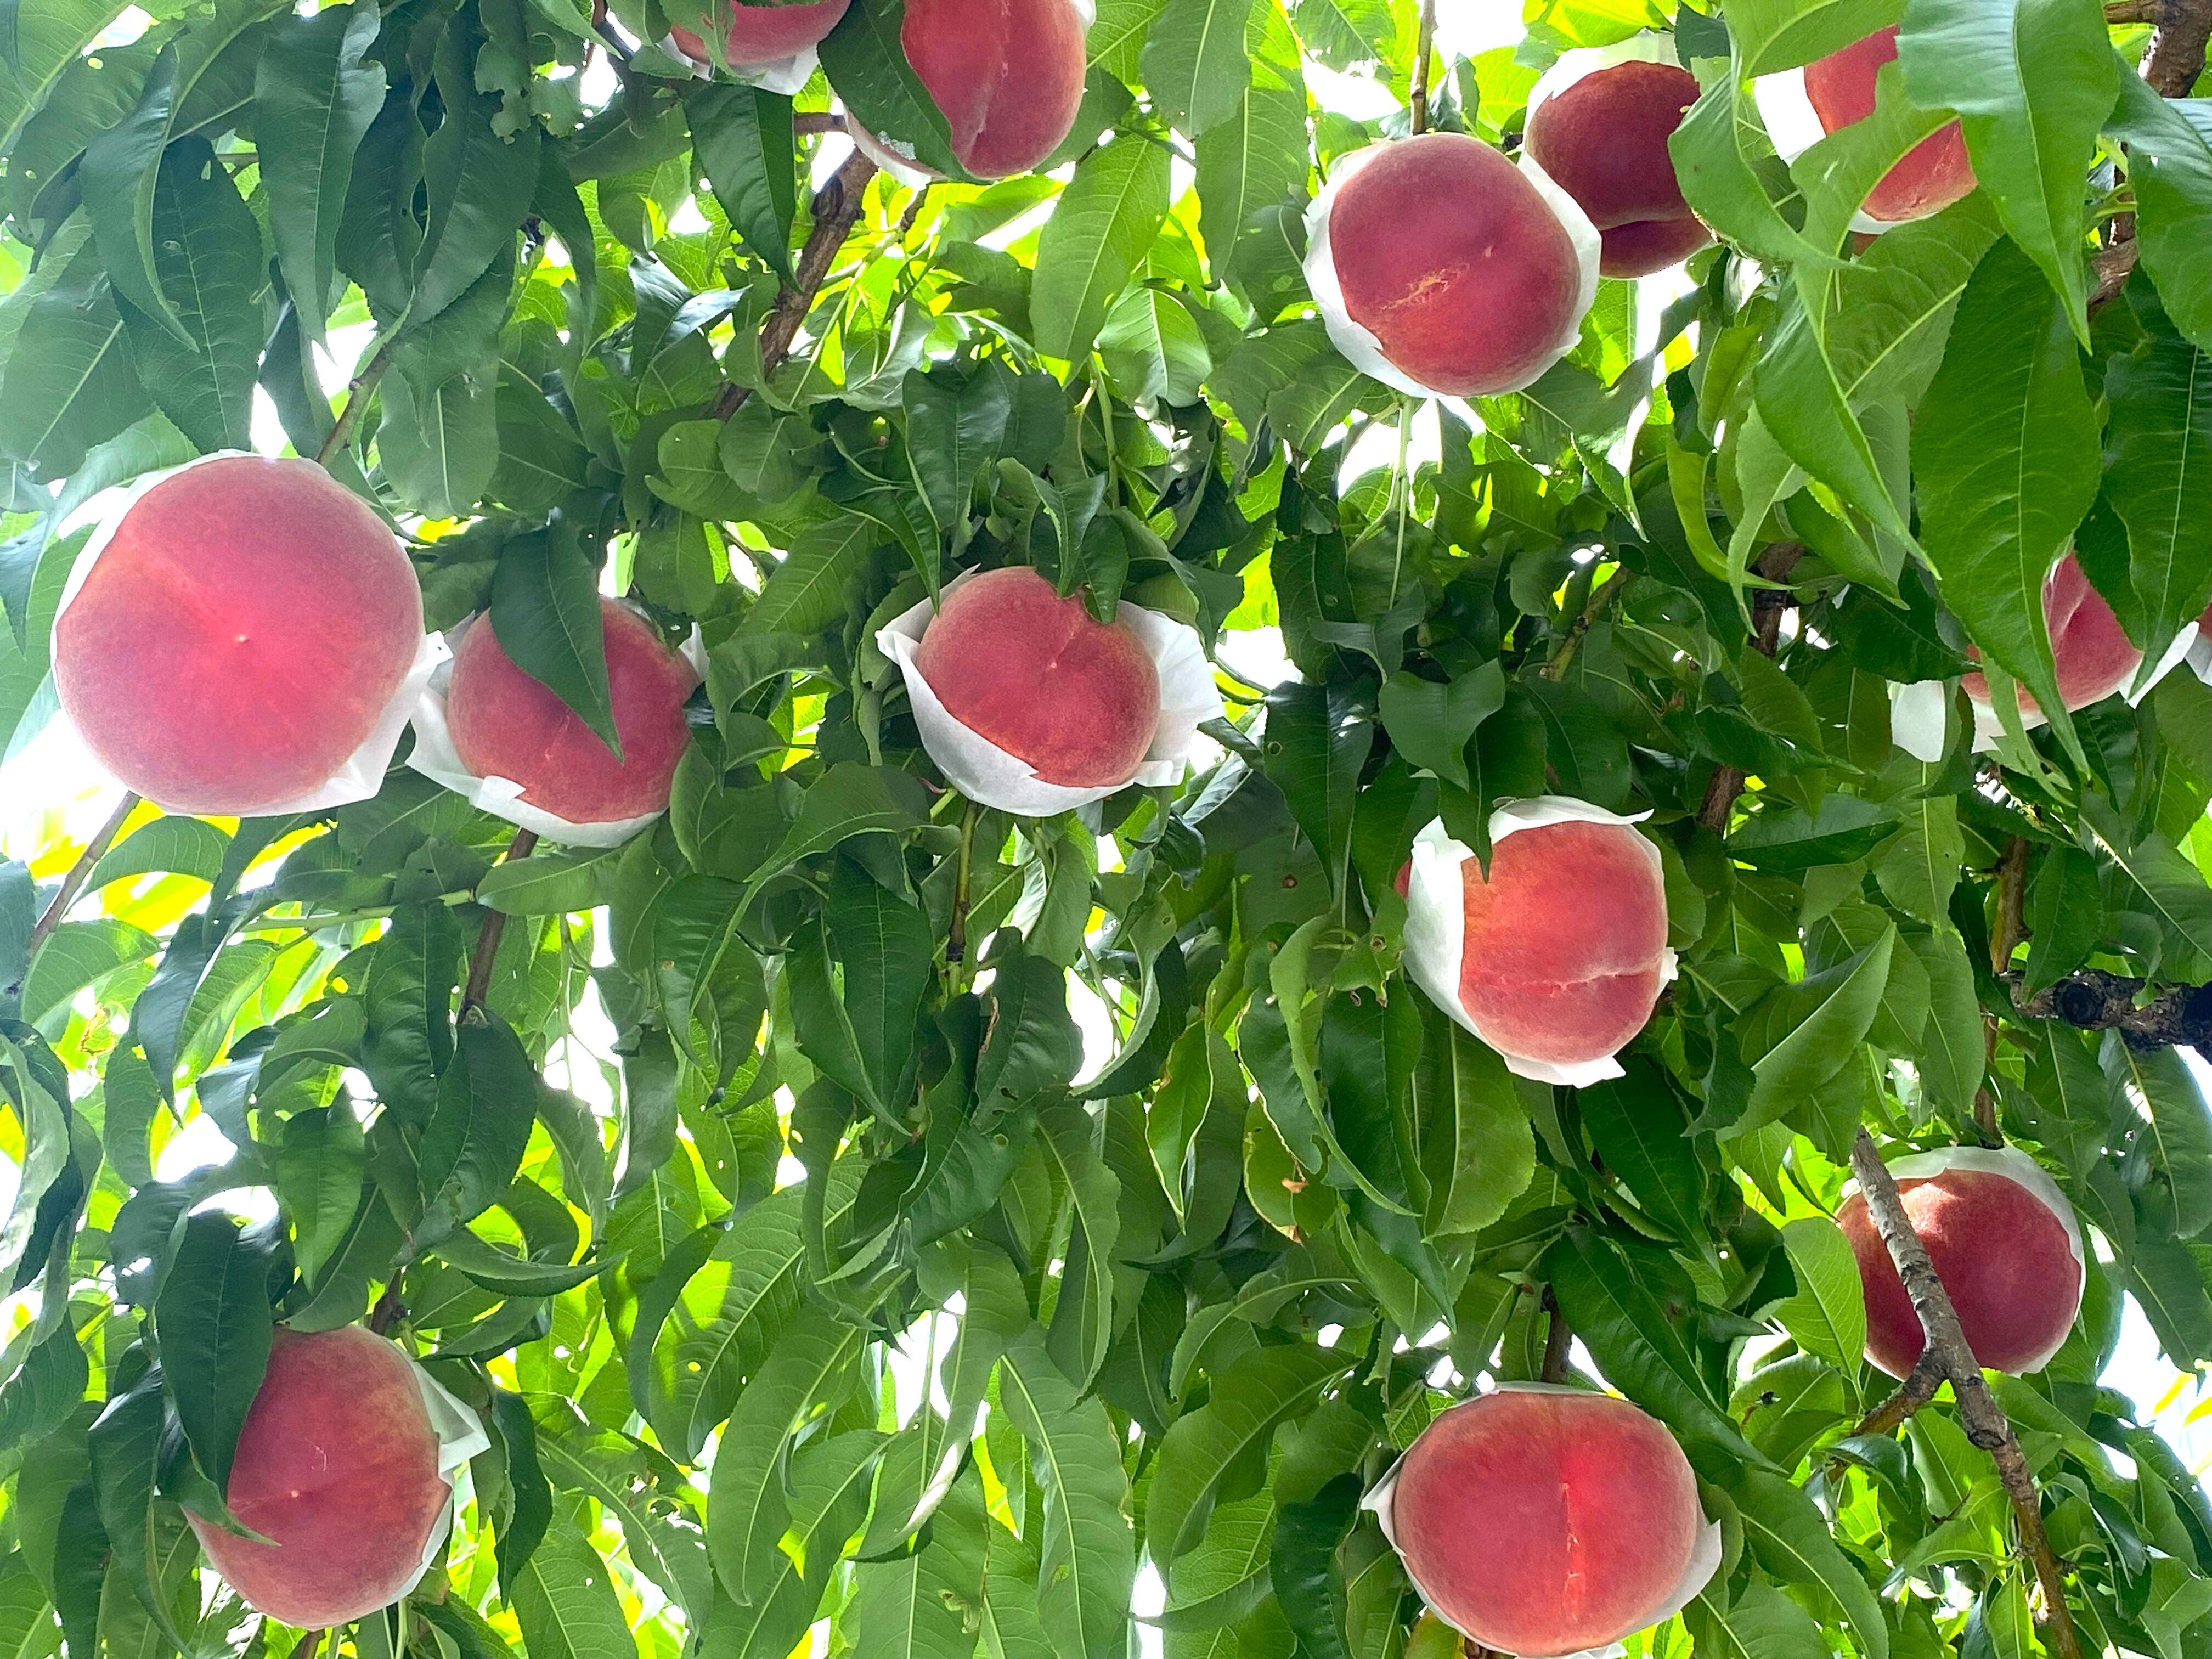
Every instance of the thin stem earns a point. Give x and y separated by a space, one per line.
1600 598
1558 1340
955 940
1916 1391
1767 606
488 938
2005 938
1422 53
1402 493
837 207
1986 1425
357 405
73 881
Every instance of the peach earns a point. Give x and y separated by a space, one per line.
337 1467
1006 74
1440 265
2004 1240
1561 953
759 35
1931 175
1543 1521
1603 140
506 725
2092 654
1076 699
240 634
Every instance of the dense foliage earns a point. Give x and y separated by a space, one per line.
848 1285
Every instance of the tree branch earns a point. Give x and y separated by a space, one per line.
357 405
1985 1422
1559 1341
73 883
1767 605
1418 102
2091 1000
2171 65
2004 939
1602 595
809 121
837 209
488 937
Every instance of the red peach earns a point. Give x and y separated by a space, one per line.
2006 1257
238 637
1007 75
2092 652
1039 676
506 724
1564 948
1931 175
1604 142
337 1467
1544 1522
1452 260
760 35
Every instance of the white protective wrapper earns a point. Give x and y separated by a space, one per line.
1704 1556
896 157
460 1437
1651 46
1795 126
1435 922
436 758
361 774
2014 1166
1920 711
1361 348
986 773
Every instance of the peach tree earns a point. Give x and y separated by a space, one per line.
1329 827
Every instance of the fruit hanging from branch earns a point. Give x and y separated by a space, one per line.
280 619
1598 124
343 1468
2005 1243
1443 269
1557 956
1006 74
1543 1521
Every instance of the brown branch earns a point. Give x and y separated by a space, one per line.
837 209
2171 65
808 121
1418 102
357 405
73 883
1601 597
1558 1339
1985 1422
488 938
2176 57
1916 1391
2091 1000
389 1309
1767 605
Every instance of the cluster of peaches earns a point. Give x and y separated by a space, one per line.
244 636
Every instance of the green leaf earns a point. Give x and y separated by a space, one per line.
1431 725
1637 1128
848 799
1087 1563
121 167
2172 887
1477 1145
2158 477
545 613
564 1600
888 949
1195 64
1804 1034
2170 164
315 93
480 184
1099 232
1083 1320
867 65
747 1501
474 1141
2005 452
1253 159
441 446
215 1323
742 136
1827 1316
1317 740
643 1490
1788 1533
68 384
811 587
2033 80
1205 1452
1614 1312
558 881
